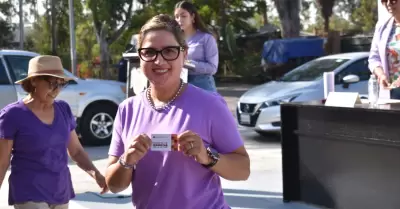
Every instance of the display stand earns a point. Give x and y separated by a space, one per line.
341 157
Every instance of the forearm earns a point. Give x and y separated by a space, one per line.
118 178
233 166
3 171
378 71
83 162
203 68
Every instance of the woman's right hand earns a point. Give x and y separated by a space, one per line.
382 79
137 150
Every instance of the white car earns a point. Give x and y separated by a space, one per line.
94 103
259 107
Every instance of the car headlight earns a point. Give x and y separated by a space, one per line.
277 102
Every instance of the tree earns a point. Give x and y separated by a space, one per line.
42 31
346 7
262 9
110 19
7 30
6 35
305 12
326 7
289 14
365 15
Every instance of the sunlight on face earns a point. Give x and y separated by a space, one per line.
161 72
392 6
48 88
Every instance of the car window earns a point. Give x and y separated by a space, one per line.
18 66
359 68
4 80
69 74
313 70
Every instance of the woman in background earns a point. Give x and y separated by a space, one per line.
385 49
203 49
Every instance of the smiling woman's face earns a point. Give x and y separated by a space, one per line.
47 88
165 58
392 6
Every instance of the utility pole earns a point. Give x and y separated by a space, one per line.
72 36
21 25
53 28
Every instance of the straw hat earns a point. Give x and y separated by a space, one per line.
45 65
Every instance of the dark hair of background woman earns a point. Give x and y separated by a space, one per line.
191 8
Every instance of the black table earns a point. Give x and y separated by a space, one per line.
344 158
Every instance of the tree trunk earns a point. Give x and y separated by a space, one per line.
289 16
105 39
326 24
265 18
53 28
104 57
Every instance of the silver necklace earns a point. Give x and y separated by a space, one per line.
164 106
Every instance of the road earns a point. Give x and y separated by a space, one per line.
262 190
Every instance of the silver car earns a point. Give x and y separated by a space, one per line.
93 102
259 107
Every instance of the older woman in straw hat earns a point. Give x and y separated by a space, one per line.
39 132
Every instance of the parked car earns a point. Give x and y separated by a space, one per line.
94 103
259 107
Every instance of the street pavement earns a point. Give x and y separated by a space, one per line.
263 190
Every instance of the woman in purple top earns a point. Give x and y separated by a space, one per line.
384 58
209 142
39 133
203 49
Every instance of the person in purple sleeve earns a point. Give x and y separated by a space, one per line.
384 58
203 48
39 133
208 141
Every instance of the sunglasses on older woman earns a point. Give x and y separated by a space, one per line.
390 1
53 85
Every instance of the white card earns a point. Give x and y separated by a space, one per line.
161 142
384 93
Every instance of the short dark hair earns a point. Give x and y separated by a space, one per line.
27 84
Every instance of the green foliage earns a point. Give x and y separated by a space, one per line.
6 8
40 37
108 12
87 47
6 34
7 30
231 17
365 15
230 40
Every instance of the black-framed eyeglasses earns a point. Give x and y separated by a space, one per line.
169 53
390 1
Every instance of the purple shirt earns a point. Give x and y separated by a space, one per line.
203 53
378 53
39 164
171 179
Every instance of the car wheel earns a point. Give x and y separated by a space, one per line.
97 124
